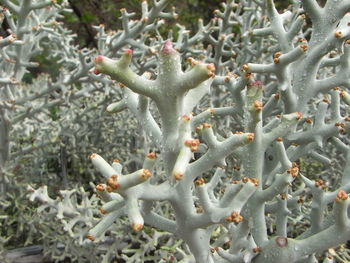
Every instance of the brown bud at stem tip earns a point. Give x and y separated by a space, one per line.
277 54
100 188
145 174
304 47
211 67
91 237
339 124
199 210
301 200
245 68
258 105
103 211
211 75
151 155
255 181
112 182
192 143
213 250
186 118
308 120
341 196
137 227
257 250
234 217
236 167
319 183
92 156
178 176
299 115
250 137
199 182
206 125
294 171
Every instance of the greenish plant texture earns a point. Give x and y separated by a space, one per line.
146 139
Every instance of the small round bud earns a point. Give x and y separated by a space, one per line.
200 182
178 176
151 155
137 227
91 237
338 34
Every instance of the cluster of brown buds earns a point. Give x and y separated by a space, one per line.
192 61
252 180
210 67
294 170
246 180
211 70
112 183
145 174
319 183
193 144
276 57
250 136
341 127
341 196
236 167
234 217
